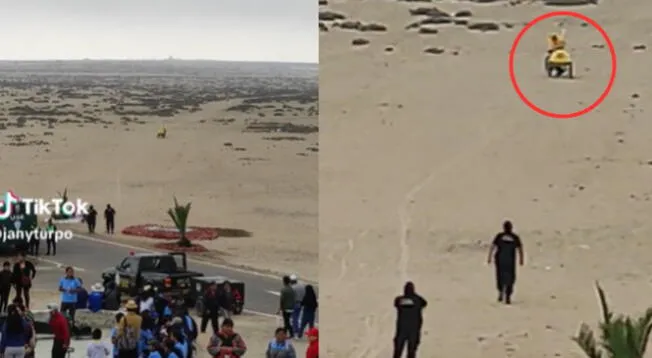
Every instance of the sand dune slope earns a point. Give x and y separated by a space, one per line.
427 153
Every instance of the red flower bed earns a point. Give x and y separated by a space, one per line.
171 233
173 247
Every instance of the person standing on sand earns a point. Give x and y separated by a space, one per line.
504 249
109 217
409 320
91 219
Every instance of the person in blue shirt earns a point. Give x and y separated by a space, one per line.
167 312
69 286
171 351
82 296
15 334
180 343
156 351
147 329
114 333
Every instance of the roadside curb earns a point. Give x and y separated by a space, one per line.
276 276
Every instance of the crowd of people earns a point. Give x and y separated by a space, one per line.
152 325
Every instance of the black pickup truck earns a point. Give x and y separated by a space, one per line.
167 273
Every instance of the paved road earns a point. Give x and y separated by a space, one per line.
92 257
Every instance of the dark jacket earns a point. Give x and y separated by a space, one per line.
310 300
409 309
226 300
19 339
211 301
287 299
24 276
6 279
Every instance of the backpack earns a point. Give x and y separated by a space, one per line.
190 328
128 340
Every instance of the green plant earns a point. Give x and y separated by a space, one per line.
620 336
179 215
64 197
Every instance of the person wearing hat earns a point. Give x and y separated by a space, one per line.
128 332
313 346
61 331
147 299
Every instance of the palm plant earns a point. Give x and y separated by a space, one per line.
179 215
620 336
64 199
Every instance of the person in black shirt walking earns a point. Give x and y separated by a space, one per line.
91 219
409 308
109 217
23 274
504 249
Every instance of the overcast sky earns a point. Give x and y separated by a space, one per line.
238 30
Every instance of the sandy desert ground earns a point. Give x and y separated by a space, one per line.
426 153
241 146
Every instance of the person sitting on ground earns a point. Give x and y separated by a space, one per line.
97 348
15 334
162 132
280 346
556 41
226 342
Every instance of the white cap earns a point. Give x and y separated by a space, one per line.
293 277
53 307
